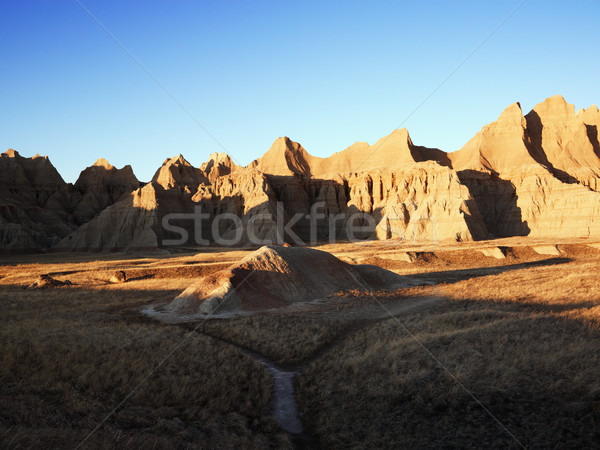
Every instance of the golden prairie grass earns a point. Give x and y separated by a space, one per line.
70 355
572 289
537 376
523 339
524 342
286 339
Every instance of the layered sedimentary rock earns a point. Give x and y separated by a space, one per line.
520 188
34 179
560 140
27 185
284 158
245 205
102 185
178 173
552 208
499 147
405 190
39 209
521 175
131 223
426 202
218 165
591 117
393 152
136 221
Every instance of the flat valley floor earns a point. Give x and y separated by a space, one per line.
489 344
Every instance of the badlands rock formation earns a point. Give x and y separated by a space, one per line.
101 185
177 173
128 224
523 189
32 216
591 118
39 209
161 213
393 152
218 165
275 277
535 174
560 140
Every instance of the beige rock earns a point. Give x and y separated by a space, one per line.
498 148
218 165
178 173
424 203
517 194
520 175
285 157
551 208
591 119
492 252
397 256
560 140
247 195
389 153
392 152
546 250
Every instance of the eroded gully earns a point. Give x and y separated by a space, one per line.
283 402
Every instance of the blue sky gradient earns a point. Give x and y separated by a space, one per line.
326 74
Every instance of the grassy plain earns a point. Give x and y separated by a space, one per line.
503 352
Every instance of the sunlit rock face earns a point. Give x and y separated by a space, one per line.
535 174
218 165
177 173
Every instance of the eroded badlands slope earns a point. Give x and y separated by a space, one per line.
535 174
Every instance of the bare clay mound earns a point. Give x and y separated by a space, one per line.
276 277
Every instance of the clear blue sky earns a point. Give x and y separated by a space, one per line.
326 74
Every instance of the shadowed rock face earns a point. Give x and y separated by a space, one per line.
128 224
31 215
521 175
102 185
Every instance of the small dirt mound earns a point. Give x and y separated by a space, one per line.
275 277
46 281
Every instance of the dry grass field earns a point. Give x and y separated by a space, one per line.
519 336
69 355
